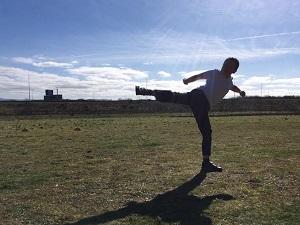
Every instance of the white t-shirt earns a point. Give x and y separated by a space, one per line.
216 87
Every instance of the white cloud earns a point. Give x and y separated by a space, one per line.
264 36
23 60
270 85
43 62
14 84
257 80
192 73
109 72
237 76
190 49
177 48
52 64
164 74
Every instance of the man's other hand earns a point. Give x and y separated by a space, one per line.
243 94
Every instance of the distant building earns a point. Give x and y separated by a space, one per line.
51 97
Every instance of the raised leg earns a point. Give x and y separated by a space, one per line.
164 95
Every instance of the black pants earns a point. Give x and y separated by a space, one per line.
199 104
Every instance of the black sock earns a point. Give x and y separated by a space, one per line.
206 160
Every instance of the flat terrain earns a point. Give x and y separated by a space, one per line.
142 169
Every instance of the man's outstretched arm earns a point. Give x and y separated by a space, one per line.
237 90
193 78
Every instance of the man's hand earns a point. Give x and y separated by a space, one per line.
193 78
242 93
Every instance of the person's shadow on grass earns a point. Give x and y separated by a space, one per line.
172 206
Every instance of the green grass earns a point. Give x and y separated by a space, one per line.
122 170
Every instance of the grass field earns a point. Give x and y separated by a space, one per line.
140 169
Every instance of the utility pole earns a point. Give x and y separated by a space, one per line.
28 87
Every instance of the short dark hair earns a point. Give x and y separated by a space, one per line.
235 60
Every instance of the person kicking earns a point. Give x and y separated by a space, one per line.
201 99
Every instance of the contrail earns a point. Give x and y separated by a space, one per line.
263 36
76 56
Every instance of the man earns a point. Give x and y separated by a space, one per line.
218 83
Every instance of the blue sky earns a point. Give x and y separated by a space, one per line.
103 48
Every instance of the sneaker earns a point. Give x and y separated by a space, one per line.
142 91
210 167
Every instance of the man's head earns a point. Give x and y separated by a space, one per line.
230 66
